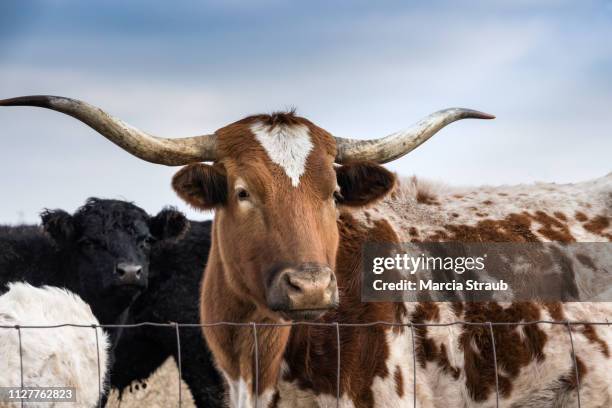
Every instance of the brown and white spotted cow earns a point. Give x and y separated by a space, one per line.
288 234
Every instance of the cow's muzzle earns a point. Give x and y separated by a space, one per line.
302 292
130 275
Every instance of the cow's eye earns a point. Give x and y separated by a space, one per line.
147 242
242 194
87 243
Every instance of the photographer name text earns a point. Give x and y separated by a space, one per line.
428 284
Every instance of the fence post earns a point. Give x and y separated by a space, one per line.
256 350
569 330
494 364
20 359
414 370
338 362
179 363
99 371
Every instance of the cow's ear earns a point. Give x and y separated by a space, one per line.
201 185
362 183
168 224
59 225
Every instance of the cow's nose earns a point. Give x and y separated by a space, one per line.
303 289
129 273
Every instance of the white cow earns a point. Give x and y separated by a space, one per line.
54 357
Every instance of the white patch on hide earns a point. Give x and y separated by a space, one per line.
239 395
287 146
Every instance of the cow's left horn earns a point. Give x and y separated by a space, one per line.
171 152
396 145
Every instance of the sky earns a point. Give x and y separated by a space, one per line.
359 69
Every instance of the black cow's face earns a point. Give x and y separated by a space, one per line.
109 243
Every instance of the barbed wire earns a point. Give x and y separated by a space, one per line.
336 325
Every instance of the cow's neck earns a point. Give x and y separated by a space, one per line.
233 346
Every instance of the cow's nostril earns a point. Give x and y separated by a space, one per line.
293 284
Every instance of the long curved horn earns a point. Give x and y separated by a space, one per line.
171 152
397 144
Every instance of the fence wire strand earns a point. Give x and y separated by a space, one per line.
335 325
320 324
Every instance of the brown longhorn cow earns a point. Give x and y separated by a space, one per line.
288 234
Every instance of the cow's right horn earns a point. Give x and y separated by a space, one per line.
171 152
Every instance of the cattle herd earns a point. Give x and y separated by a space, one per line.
294 207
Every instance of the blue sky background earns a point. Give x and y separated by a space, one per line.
357 68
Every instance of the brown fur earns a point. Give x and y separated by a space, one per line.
580 216
276 118
514 228
399 382
517 352
592 336
556 311
426 348
597 226
552 228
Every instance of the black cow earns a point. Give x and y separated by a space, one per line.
109 252
101 252
173 296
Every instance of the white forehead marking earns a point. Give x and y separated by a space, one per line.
239 183
287 146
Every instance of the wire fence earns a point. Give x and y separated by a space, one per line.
338 326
